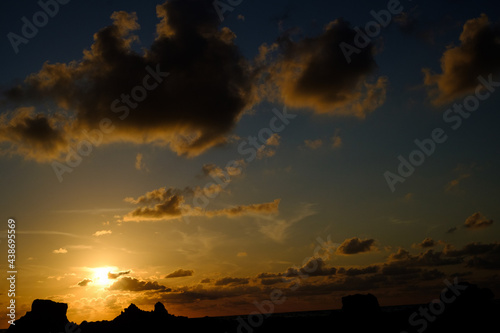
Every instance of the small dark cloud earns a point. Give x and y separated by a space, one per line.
268 275
313 267
231 281
271 281
352 271
426 243
355 245
160 203
114 276
180 273
399 255
84 282
36 136
477 221
451 230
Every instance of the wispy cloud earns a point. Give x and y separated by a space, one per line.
277 229
102 233
168 204
139 162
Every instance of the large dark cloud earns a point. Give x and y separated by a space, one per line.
209 85
477 54
315 73
187 90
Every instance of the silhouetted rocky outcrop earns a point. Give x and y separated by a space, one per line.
461 307
160 309
45 316
133 319
359 306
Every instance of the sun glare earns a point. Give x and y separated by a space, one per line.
100 276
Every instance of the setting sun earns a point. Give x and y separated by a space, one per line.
100 276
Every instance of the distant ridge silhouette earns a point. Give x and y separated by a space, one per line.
472 310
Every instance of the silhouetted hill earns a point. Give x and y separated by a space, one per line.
462 307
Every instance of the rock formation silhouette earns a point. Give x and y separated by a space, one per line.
465 308
45 316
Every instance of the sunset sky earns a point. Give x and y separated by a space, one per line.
204 156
